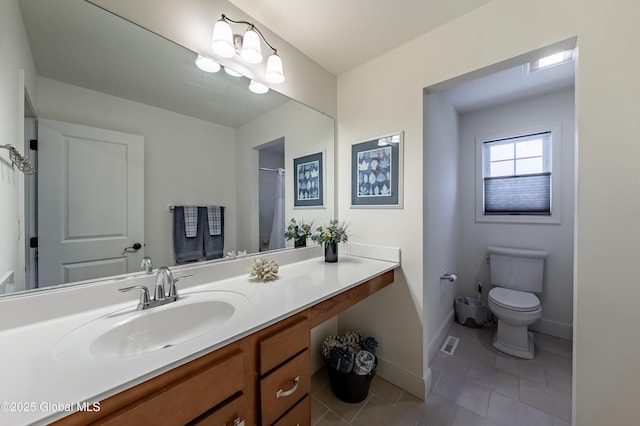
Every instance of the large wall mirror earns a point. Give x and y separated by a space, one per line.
128 128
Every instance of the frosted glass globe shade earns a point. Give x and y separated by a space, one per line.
222 41
274 69
251 51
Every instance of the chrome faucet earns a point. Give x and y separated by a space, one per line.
164 292
146 264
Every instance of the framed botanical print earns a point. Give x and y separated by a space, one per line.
308 181
376 172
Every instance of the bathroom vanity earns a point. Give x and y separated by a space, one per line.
252 368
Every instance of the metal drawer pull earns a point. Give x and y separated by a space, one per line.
281 393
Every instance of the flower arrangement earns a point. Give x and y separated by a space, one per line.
333 233
298 231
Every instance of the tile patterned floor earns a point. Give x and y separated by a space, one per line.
477 385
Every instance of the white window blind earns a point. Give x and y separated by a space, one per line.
517 175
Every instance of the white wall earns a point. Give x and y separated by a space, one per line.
201 153
442 213
606 236
305 132
17 71
557 239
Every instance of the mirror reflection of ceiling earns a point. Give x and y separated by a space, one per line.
132 63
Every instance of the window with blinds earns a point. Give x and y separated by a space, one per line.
517 175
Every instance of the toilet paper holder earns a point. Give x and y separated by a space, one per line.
449 276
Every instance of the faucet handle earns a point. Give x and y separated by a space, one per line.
144 295
173 291
146 264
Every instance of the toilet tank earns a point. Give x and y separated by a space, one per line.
517 269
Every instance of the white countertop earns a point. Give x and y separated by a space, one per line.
42 380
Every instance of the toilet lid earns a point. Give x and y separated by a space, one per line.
514 299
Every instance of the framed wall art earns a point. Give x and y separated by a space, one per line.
308 181
376 172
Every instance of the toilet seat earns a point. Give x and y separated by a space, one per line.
514 300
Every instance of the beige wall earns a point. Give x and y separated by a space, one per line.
385 94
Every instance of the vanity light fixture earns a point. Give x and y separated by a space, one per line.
226 44
258 88
207 64
232 73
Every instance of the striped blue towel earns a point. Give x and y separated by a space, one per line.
190 221
214 215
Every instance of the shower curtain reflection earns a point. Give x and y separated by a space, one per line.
276 239
271 195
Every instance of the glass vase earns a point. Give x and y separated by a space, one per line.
300 243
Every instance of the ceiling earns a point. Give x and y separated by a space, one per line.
343 34
340 35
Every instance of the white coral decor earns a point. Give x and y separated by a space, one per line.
264 269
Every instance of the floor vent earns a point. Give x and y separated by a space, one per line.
450 345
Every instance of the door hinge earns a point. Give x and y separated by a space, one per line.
33 242
33 144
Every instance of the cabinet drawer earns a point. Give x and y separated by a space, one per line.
283 343
225 414
300 415
285 386
187 398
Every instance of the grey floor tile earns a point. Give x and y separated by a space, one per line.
468 395
506 411
476 352
482 335
477 386
385 390
319 379
345 410
435 411
331 419
524 368
559 380
551 360
550 401
318 409
558 422
378 412
464 417
556 345
454 366
495 379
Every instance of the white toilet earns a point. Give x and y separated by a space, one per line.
516 274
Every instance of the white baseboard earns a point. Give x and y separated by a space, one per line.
418 387
436 343
553 328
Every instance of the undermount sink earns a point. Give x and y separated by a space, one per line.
129 333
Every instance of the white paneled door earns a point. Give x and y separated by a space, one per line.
90 202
